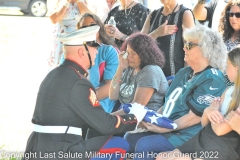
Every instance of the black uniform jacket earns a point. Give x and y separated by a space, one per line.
67 98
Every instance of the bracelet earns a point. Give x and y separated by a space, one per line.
201 1
124 38
119 80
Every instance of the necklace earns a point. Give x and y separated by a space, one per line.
169 16
126 9
174 9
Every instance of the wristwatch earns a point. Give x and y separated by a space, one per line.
201 1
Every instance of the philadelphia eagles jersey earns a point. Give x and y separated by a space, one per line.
192 92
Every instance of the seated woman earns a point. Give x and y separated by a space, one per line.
221 121
106 62
191 91
139 77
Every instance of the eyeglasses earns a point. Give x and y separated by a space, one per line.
231 14
92 43
87 26
189 45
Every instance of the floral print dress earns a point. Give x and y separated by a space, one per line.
64 26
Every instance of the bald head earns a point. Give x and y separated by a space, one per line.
72 50
76 54
80 55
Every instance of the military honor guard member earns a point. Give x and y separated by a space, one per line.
67 101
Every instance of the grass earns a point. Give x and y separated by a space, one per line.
9 156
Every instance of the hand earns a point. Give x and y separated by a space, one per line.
123 63
138 110
213 113
165 29
154 128
139 129
233 119
113 31
141 125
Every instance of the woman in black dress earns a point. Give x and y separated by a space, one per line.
129 16
166 24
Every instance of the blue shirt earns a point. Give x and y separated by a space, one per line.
105 67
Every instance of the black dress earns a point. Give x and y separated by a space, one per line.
129 21
207 145
171 45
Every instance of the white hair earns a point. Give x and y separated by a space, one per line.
211 44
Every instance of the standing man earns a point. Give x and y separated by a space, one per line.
67 101
209 10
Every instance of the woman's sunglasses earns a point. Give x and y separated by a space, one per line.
189 45
231 14
87 26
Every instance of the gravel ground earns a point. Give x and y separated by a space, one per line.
24 48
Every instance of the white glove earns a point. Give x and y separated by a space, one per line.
138 110
138 130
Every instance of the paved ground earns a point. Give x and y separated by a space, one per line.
24 48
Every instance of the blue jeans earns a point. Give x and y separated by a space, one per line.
148 146
133 138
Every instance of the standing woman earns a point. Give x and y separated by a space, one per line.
166 24
129 16
64 15
230 24
112 4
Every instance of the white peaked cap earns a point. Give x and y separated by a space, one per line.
78 37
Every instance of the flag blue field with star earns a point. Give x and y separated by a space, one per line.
153 117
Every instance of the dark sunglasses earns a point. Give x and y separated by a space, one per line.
231 14
87 26
92 43
189 45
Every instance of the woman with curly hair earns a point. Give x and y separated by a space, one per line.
230 24
230 27
139 77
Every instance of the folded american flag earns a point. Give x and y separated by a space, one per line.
152 117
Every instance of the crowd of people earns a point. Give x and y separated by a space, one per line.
160 59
